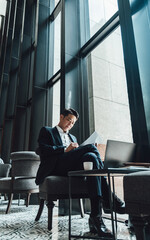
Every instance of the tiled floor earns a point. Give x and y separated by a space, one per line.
20 224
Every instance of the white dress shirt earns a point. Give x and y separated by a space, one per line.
64 137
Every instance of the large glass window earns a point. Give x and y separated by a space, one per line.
57 42
108 98
53 4
99 13
108 90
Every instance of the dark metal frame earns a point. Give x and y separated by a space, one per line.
4 42
100 35
32 74
56 77
137 112
56 11
2 31
62 85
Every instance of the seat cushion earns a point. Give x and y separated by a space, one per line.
137 192
56 185
19 184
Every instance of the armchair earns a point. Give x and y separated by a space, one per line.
125 157
137 202
57 187
23 172
4 170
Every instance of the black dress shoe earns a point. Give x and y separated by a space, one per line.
119 206
97 225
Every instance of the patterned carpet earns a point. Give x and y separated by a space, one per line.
20 224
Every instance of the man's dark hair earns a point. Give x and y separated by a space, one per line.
71 111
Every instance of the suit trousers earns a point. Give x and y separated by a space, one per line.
73 161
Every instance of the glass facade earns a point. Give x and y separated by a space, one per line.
100 11
69 53
108 90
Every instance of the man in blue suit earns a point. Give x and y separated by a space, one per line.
60 153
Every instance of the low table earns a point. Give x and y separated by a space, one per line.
109 173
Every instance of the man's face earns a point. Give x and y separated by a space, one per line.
66 123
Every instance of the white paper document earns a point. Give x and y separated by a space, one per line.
94 138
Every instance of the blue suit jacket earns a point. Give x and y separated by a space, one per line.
51 146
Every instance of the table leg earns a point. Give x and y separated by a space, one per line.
70 207
111 207
113 184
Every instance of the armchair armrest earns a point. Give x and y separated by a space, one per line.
137 164
5 170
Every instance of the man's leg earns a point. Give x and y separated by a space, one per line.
73 160
96 223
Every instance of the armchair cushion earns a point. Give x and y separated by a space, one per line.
57 185
20 184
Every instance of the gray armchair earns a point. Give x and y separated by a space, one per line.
57 187
23 172
4 171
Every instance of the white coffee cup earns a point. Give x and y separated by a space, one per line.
88 165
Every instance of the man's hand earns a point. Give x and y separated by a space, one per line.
72 146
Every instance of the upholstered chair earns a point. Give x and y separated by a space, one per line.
4 171
23 173
57 187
